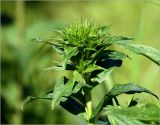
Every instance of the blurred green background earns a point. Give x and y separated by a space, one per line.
23 61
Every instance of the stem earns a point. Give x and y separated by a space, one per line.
88 99
88 106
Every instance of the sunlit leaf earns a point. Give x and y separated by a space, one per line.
102 75
103 30
53 68
62 89
92 68
69 52
134 114
78 77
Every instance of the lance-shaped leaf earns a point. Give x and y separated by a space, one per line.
110 58
78 77
118 89
73 104
135 114
92 68
146 51
69 53
62 89
100 77
56 45
103 30
46 96
54 68
118 39
31 98
129 88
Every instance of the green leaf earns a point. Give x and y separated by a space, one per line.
78 77
54 68
118 40
92 68
98 108
146 51
102 75
110 58
68 54
47 96
134 114
62 89
115 55
79 85
80 82
129 88
103 30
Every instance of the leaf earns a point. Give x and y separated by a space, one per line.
135 114
92 68
68 54
146 51
47 96
123 120
103 30
58 48
62 89
98 108
103 102
70 103
118 40
129 88
110 58
78 77
54 68
102 75
80 85
80 82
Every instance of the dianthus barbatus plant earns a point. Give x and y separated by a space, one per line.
86 53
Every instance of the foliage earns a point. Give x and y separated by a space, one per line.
85 51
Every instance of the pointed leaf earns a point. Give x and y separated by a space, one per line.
146 51
129 88
102 75
68 54
92 68
62 89
78 77
54 68
79 85
103 30
144 112
47 96
118 40
98 108
110 58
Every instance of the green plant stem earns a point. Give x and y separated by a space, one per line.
88 106
88 99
